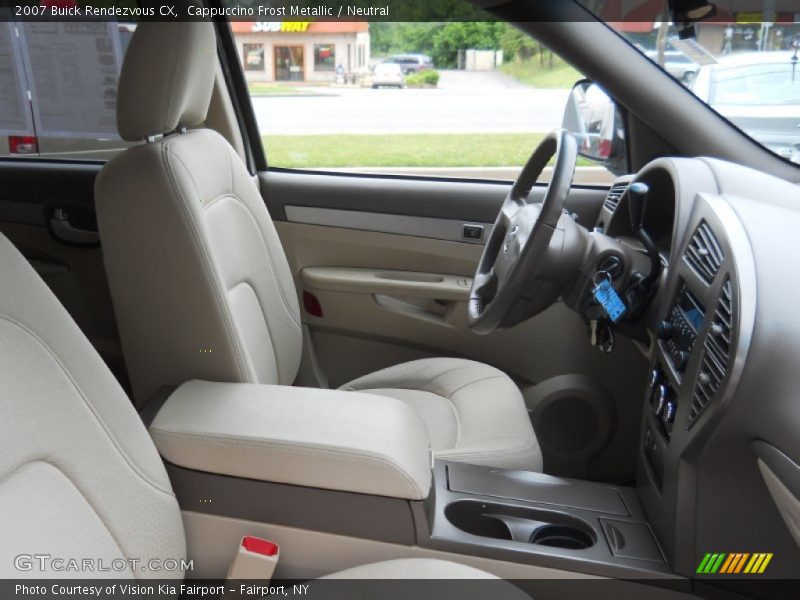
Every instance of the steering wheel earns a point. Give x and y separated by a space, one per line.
518 273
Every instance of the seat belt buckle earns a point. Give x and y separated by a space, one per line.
255 560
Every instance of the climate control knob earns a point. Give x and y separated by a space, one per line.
664 330
660 398
668 416
655 378
681 360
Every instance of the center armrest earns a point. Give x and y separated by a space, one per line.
329 439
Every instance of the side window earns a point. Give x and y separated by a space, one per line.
324 57
253 55
464 100
58 89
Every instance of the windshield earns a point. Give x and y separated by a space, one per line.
743 62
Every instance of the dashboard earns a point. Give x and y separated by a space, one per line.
720 411
659 214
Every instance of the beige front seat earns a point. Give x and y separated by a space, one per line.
201 285
80 477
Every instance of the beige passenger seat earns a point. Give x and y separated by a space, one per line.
79 474
194 262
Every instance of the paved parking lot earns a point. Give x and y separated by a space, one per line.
464 102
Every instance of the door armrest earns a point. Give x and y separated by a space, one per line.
383 281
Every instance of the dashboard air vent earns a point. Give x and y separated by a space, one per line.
704 253
614 194
716 355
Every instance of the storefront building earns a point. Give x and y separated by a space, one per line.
302 51
734 28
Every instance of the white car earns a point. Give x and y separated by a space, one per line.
388 75
759 92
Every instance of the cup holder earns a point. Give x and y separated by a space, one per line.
561 536
520 524
469 517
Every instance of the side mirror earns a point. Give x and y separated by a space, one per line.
593 117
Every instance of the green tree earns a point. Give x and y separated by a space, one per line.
450 38
382 37
444 40
517 45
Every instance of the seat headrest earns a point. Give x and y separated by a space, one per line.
167 78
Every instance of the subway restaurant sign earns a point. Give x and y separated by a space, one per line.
281 26
749 18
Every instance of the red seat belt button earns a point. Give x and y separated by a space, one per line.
259 546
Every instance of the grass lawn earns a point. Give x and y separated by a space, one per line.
532 73
402 150
258 88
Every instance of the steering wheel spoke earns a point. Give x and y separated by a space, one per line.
509 211
510 260
485 285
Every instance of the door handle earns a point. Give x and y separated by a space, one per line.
67 232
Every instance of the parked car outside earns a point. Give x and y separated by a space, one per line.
73 148
388 75
411 63
676 63
760 93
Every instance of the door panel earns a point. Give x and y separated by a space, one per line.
391 297
430 227
31 194
470 201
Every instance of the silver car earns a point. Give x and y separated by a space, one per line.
759 92
411 63
676 63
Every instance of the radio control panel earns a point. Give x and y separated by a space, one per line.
679 331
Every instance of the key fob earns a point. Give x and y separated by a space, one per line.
607 297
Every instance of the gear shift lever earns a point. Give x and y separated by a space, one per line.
637 199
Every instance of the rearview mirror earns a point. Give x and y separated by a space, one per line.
593 117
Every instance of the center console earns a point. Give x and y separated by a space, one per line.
359 465
704 324
528 517
700 342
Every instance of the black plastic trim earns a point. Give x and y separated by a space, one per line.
240 97
33 160
436 531
342 513
426 178
42 181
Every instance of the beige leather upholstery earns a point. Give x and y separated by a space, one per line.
166 80
201 285
315 438
79 476
474 413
